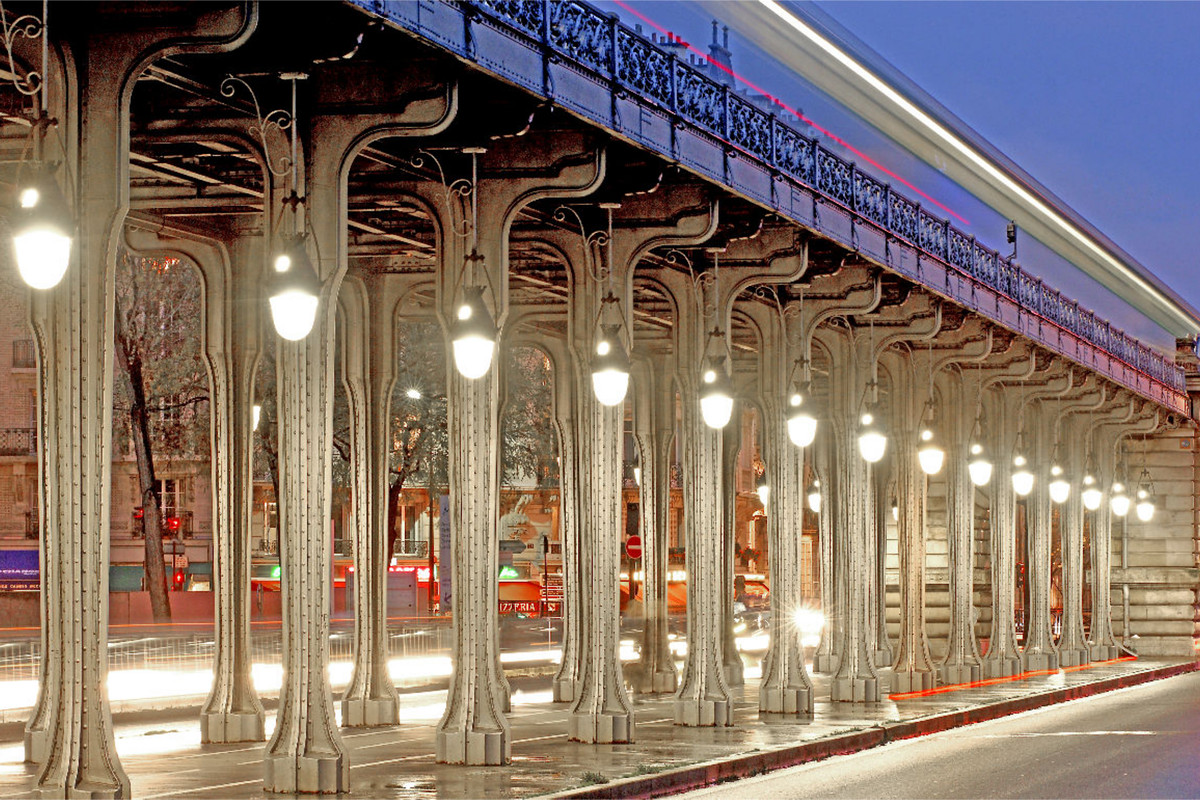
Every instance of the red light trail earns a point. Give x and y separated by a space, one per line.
790 109
954 687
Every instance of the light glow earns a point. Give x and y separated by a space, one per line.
872 443
814 497
294 313
1060 489
1022 478
930 455
1092 496
610 386
979 467
473 356
1119 502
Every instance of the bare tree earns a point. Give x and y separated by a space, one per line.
162 390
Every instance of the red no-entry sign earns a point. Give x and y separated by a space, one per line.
633 547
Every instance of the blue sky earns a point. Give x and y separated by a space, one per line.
1097 100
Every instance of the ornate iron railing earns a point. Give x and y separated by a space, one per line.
589 40
18 441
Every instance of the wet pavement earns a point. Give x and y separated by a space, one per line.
163 755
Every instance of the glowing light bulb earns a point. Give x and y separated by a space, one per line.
1092 496
979 467
1060 489
930 454
872 443
1022 478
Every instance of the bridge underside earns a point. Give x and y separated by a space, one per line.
422 174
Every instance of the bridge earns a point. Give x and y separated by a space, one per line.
539 174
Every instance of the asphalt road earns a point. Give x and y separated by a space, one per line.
1142 742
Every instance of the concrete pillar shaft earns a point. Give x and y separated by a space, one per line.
1040 652
962 662
825 659
570 671
785 687
601 713
368 365
703 697
731 439
1003 657
654 417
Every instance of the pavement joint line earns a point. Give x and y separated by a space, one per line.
744 765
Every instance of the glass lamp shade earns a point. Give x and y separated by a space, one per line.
764 493
1144 506
42 229
610 370
801 424
979 467
895 511
294 291
716 398
872 443
1059 488
1022 478
257 415
814 497
930 454
637 475
1119 502
1091 495
474 335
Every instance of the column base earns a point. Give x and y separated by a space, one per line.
565 690
961 673
854 690
1098 652
884 658
703 713
225 727
1073 657
1036 662
1001 667
95 793
825 663
917 680
369 712
735 673
325 774
656 682
35 746
476 748
601 728
789 700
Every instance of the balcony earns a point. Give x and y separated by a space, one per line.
23 355
18 441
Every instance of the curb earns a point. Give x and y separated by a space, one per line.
698 776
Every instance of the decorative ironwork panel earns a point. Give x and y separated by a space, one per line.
985 265
749 128
699 99
643 67
833 177
794 154
1026 291
905 219
933 235
961 249
525 15
18 441
583 33
870 198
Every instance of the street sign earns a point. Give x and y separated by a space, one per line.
181 562
633 547
513 546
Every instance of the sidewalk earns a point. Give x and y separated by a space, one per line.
164 757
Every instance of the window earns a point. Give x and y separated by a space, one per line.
22 354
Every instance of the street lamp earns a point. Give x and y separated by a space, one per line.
762 489
872 442
42 227
1022 478
802 423
716 395
1145 497
1119 502
1092 496
610 367
1060 488
294 290
930 454
979 467
814 496
473 334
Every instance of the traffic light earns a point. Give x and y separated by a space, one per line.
178 580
